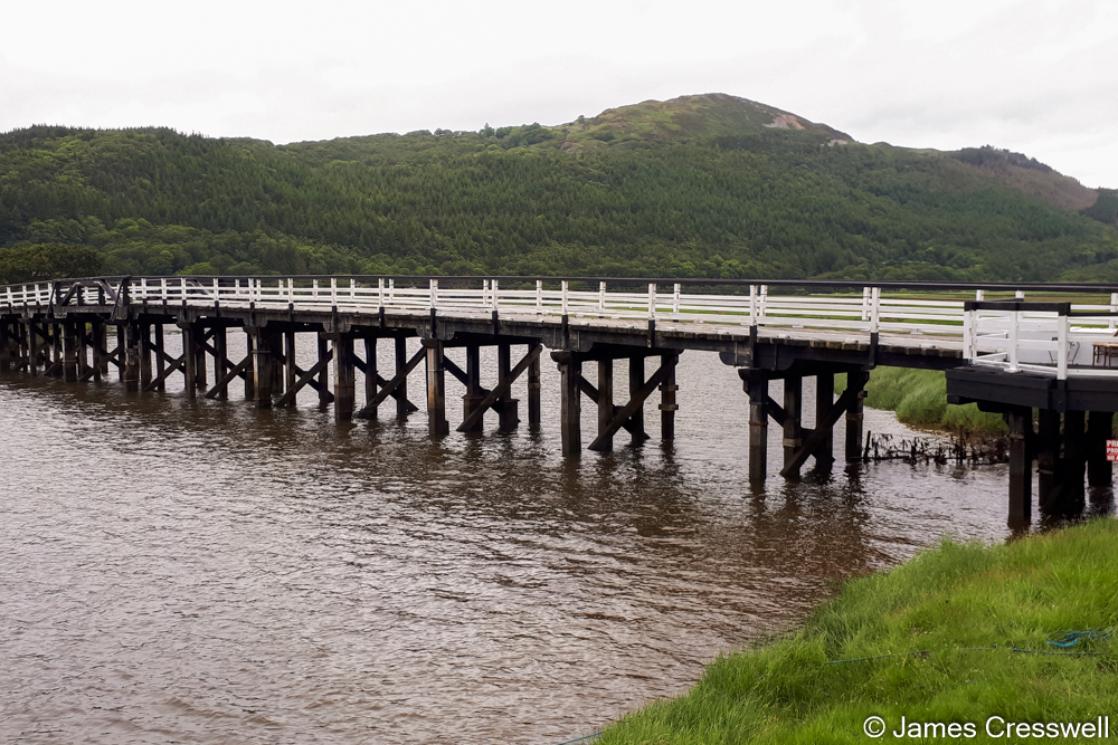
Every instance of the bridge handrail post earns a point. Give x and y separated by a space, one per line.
539 296
970 346
652 300
434 294
353 290
290 291
485 292
380 293
753 305
314 289
866 292
391 290
495 294
676 291
564 292
143 289
1014 321
875 310
762 305
333 292
601 297
217 290
163 289
1062 347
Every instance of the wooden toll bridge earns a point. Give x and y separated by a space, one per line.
1043 365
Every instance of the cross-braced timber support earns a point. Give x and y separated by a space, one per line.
800 442
611 417
378 389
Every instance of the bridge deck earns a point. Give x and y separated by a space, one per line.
1000 350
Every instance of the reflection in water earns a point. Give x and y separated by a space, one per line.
206 573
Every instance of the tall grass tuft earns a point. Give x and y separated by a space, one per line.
919 398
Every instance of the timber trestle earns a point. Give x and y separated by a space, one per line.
616 344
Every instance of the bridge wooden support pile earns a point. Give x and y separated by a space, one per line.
1060 427
1065 447
801 442
613 417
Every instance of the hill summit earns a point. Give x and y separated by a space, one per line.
700 116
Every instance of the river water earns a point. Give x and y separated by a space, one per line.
206 573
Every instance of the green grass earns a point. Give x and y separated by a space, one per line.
933 640
919 398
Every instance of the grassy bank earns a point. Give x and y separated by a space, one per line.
960 633
919 398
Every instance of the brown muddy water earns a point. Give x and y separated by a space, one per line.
180 572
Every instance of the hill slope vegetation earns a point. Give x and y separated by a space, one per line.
698 186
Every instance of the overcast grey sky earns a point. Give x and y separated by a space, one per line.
1039 77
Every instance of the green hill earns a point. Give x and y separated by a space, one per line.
701 185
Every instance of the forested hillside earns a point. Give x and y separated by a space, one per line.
703 185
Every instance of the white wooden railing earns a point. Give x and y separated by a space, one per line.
1047 338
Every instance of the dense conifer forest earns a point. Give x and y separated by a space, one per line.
700 186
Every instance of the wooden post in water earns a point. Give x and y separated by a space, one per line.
160 351
344 377
70 343
1020 423
324 373
189 358
81 347
200 376
97 334
401 352
793 429
605 405
636 382
370 376
474 394
55 348
508 408
250 369
757 386
133 343
121 350
5 346
534 388
824 399
264 357
570 407
1074 464
221 356
1100 471
290 375
437 424
856 379
668 389
100 338
145 353
34 351
1047 451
